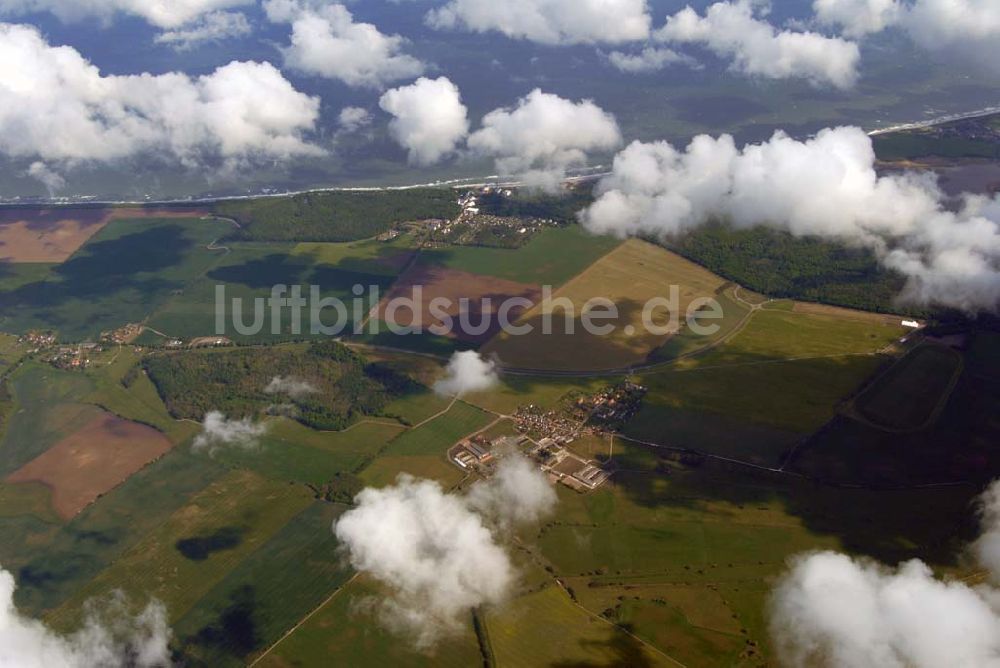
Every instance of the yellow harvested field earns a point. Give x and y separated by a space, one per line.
629 276
838 312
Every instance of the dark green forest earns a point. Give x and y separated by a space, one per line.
777 264
344 386
335 216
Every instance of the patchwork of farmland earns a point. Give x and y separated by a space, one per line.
716 482
630 276
122 275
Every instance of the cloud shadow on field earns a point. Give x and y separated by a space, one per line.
276 269
200 548
102 264
235 630
628 653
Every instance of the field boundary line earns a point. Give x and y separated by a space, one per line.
591 613
302 621
708 455
594 615
436 415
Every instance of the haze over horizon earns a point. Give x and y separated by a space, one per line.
659 81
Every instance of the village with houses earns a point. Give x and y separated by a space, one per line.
475 225
547 437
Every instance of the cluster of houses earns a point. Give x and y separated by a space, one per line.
122 335
612 407
75 357
37 340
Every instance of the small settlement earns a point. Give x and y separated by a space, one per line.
547 437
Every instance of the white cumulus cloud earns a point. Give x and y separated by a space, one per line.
56 106
549 21
214 27
295 388
430 119
111 637
824 186
987 547
352 119
326 41
858 17
218 433
51 179
467 372
732 30
650 59
517 493
544 136
933 24
160 13
435 552
834 610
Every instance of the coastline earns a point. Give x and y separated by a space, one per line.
457 183
592 173
939 120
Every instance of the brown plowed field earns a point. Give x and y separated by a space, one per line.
456 285
92 461
53 235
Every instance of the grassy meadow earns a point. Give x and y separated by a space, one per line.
123 274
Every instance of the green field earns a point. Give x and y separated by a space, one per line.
546 629
364 257
421 451
47 407
516 391
957 445
183 558
53 562
11 351
686 342
120 387
267 593
421 342
667 547
553 257
777 380
343 634
26 500
712 432
916 144
436 436
417 407
692 624
292 452
124 273
909 396
249 271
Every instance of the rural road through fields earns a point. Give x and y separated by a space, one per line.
303 621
